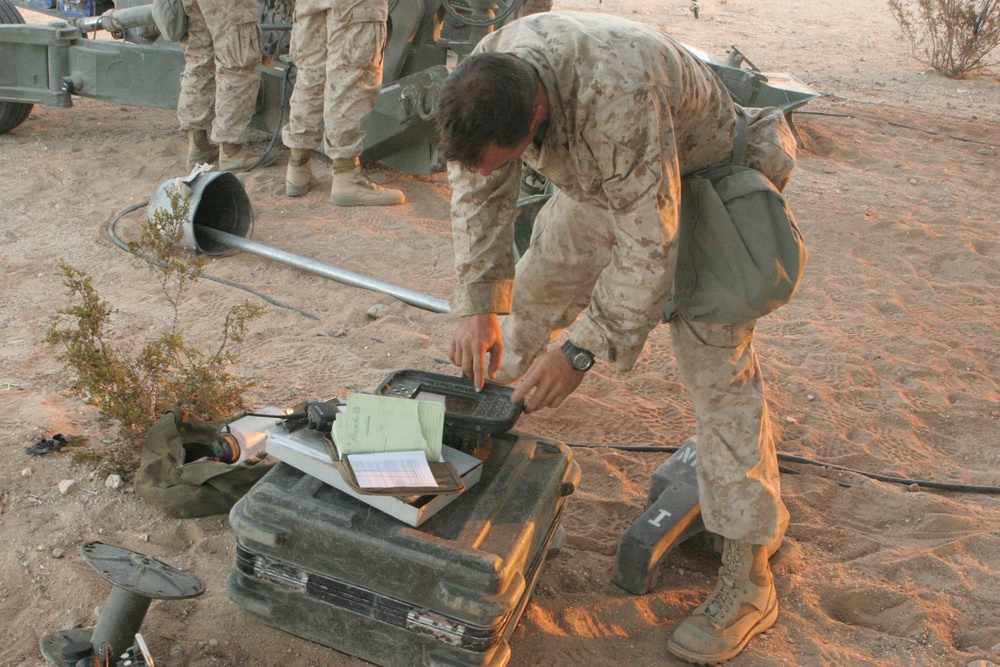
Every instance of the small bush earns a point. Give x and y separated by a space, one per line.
955 37
133 386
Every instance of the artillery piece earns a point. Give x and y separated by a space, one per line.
50 64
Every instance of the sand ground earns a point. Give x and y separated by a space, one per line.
886 361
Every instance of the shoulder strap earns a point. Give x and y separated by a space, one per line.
741 134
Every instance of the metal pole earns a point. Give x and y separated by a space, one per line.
405 295
120 619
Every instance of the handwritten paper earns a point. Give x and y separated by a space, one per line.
373 424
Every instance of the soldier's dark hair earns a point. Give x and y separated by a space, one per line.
488 99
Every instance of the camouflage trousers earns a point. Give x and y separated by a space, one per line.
222 61
738 483
338 54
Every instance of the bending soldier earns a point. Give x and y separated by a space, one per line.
614 114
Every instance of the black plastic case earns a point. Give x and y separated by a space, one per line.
470 417
321 565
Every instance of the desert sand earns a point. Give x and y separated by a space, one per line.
886 361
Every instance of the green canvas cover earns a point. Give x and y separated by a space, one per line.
200 488
170 20
741 255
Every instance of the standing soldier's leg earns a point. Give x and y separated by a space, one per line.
356 45
235 27
570 245
303 134
738 487
196 104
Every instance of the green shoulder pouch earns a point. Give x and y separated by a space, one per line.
200 488
740 254
170 19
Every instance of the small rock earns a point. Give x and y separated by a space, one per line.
213 642
66 486
113 482
378 311
810 397
913 488
996 649
791 420
57 553
176 652
985 151
340 333
26 473
914 181
144 537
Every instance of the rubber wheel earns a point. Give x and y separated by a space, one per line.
12 114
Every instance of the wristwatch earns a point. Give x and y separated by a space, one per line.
579 358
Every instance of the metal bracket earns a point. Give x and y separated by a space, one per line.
137 581
672 515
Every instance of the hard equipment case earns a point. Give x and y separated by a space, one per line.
324 566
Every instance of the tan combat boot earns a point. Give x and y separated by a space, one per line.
235 157
299 177
200 149
743 604
238 158
351 187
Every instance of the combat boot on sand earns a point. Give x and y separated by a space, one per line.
200 149
237 158
743 604
351 188
299 177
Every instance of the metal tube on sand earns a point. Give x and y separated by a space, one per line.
404 294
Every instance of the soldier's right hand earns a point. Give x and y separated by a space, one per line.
477 337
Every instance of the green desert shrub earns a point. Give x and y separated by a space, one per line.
955 37
134 382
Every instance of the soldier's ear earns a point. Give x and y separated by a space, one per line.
539 115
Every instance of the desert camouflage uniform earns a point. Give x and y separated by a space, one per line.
337 47
630 112
222 61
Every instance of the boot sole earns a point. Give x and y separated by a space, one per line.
765 623
298 190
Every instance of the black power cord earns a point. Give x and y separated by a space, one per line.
790 458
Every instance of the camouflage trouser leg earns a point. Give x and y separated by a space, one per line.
738 483
570 245
222 61
737 463
338 81
196 104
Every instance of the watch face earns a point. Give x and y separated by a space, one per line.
579 359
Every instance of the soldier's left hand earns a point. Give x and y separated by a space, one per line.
549 380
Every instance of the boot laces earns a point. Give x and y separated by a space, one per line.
724 600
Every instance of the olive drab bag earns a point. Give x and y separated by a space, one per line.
740 253
200 488
170 19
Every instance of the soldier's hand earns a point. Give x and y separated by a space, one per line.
549 380
476 337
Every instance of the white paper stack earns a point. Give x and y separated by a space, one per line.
306 450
